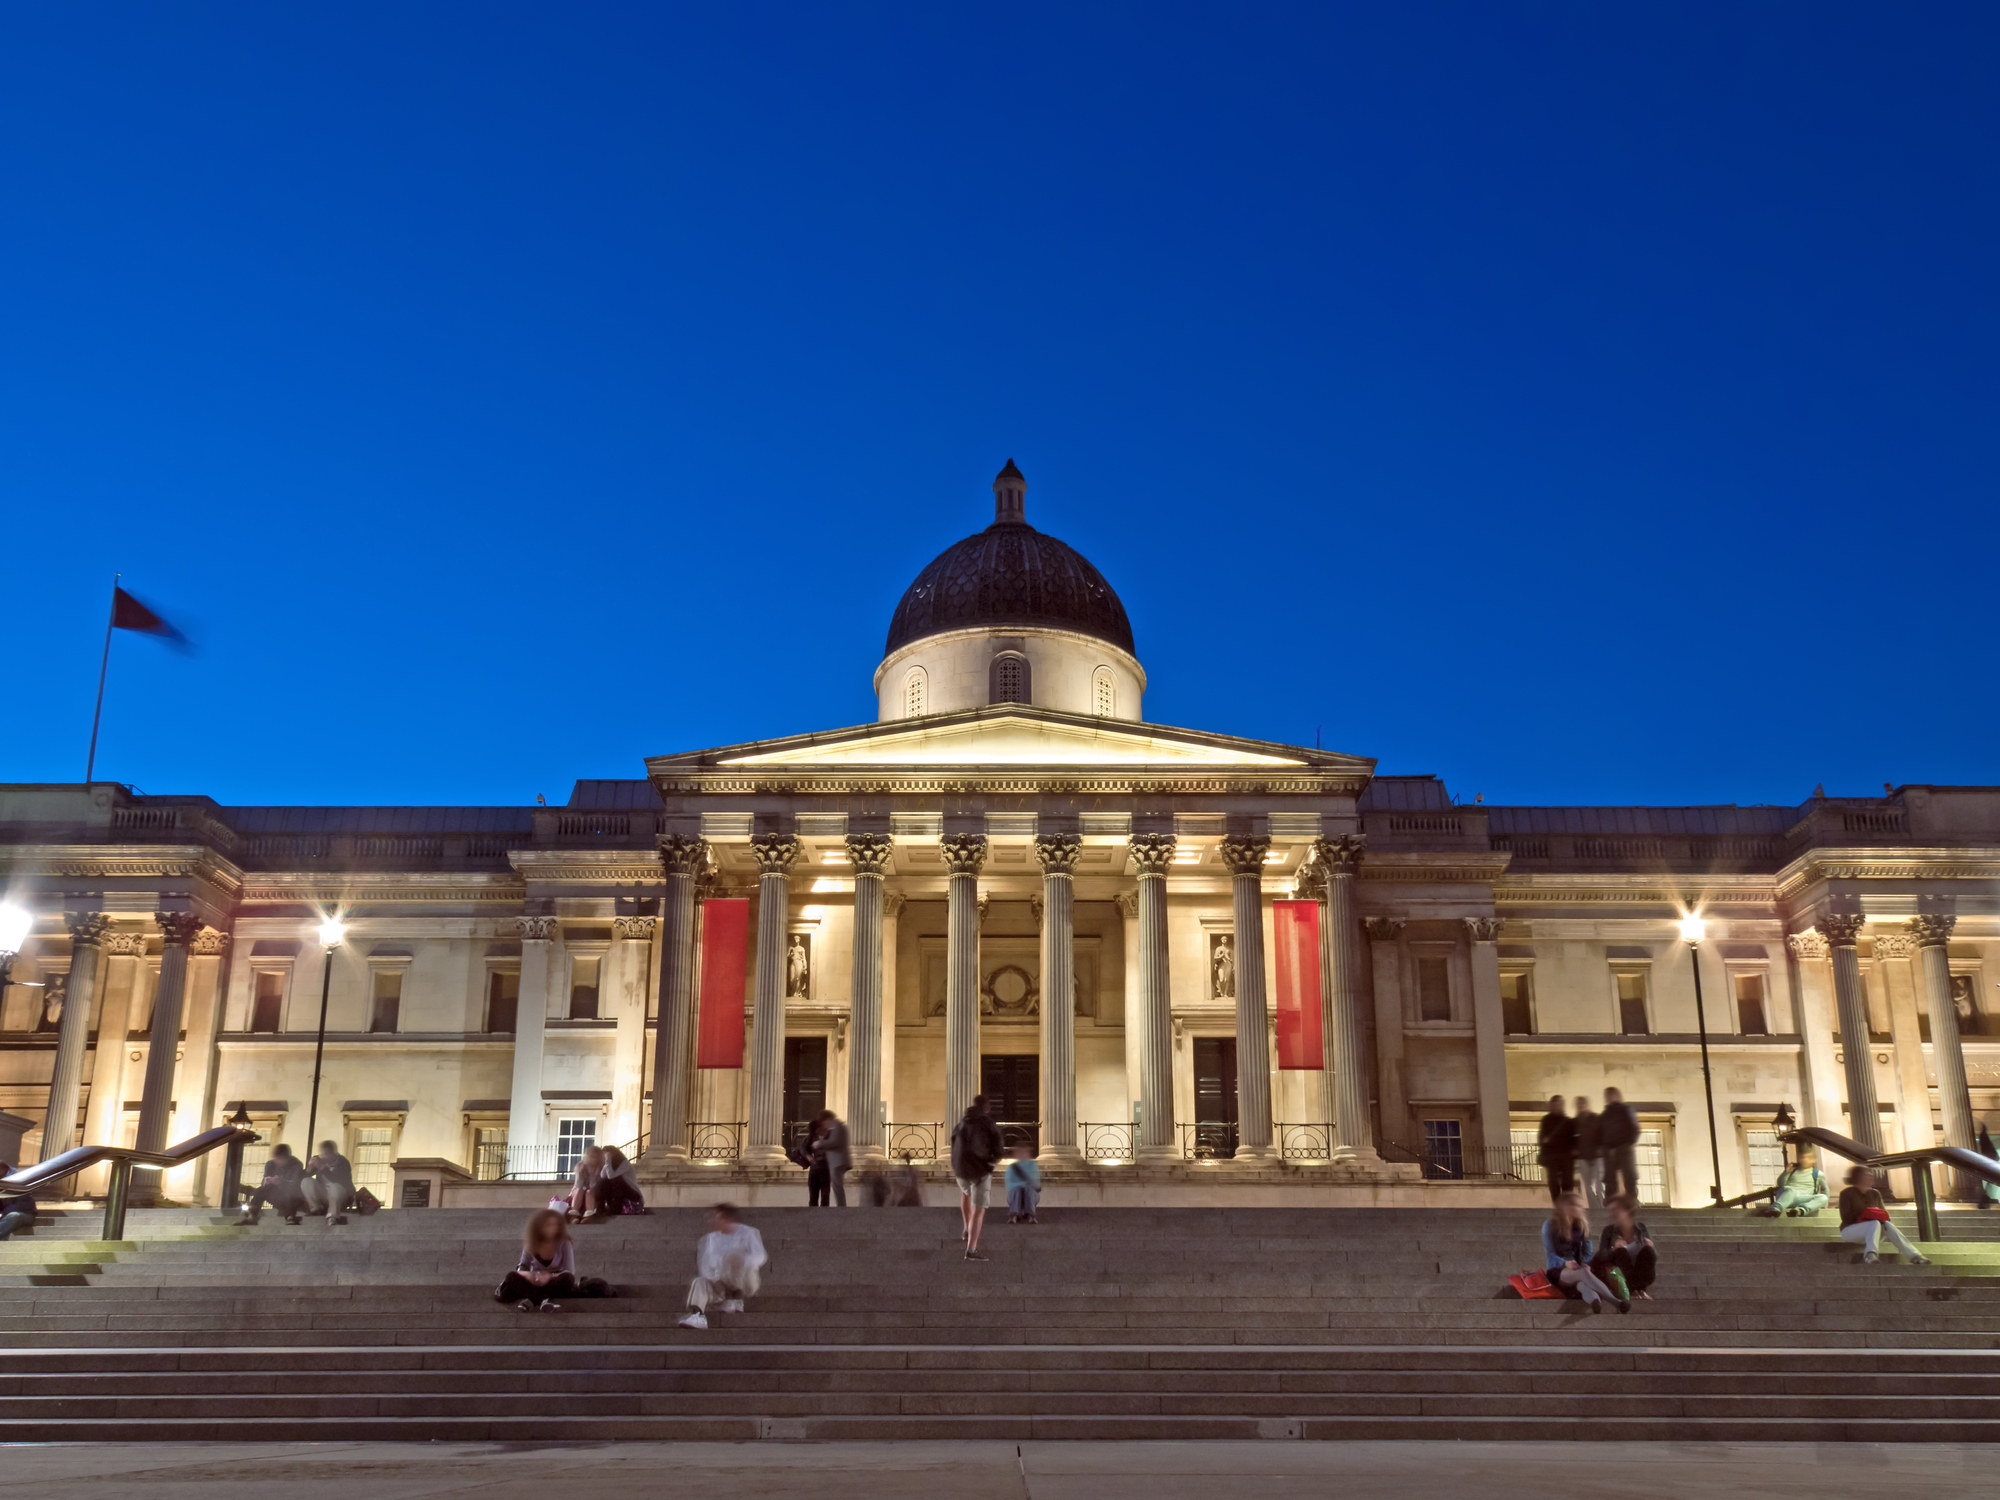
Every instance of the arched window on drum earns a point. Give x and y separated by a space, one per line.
916 694
1104 693
1010 682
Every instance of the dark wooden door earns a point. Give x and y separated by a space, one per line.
805 1083
1215 1095
1012 1084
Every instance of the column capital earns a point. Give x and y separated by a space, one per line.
682 855
869 853
964 853
178 927
1341 855
636 929
1245 856
1807 946
1840 929
209 943
125 944
1058 853
1127 903
1893 945
1933 929
1310 883
1384 929
89 929
535 929
893 902
775 853
1152 853
1483 929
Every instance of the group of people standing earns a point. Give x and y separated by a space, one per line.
1592 1152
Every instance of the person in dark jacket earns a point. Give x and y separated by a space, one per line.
1626 1248
1618 1138
975 1151
1589 1153
831 1159
15 1213
282 1187
1555 1149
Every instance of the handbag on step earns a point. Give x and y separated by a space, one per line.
1534 1286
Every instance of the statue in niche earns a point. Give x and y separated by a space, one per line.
798 968
1967 1006
53 994
1222 965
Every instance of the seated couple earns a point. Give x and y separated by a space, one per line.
1617 1268
605 1184
324 1185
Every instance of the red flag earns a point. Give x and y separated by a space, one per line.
128 613
1295 933
725 955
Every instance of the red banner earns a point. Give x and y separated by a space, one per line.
725 953
1295 927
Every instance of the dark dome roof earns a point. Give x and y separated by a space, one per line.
1010 574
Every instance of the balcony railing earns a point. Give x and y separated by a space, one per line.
916 1141
1453 1161
1106 1140
1209 1141
716 1140
1305 1142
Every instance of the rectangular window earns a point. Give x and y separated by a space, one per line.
1650 1157
583 989
1632 1004
1444 1150
374 1149
269 1006
1750 1018
388 1006
489 1152
503 1001
1763 1156
1517 1011
1433 990
573 1138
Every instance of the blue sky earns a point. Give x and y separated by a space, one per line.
1584 403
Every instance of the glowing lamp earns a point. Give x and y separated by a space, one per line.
1693 929
332 932
15 924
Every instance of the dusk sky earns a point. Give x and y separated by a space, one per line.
1586 404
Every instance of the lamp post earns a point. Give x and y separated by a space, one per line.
232 1161
15 925
1693 930
1784 1122
331 932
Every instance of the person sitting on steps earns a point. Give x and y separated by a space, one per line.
1864 1219
583 1186
1801 1190
1566 1241
547 1270
1627 1250
282 1187
1024 1186
618 1186
329 1184
729 1264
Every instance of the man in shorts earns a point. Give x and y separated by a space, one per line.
975 1151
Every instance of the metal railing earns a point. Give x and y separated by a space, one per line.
123 1159
716 1140
916 1141
1448 1161
1306 1142
1971 1163
1020 1133
1108 1140
1208 1140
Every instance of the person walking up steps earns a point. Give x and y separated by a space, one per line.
975 1150
729 1264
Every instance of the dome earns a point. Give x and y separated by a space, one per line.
1010 575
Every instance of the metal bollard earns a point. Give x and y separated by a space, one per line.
114 1200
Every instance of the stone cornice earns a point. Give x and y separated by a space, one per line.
1905 863
1633 890
332 888
945 781
123 862
589 866
1409 867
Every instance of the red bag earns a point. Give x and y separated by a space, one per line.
1534 1286
1879 1215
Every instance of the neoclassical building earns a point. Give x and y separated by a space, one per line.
1167 955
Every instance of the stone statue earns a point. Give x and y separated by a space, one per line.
53 995
798 968
1222 960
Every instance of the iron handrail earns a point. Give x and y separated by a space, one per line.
123 1159
1919 1162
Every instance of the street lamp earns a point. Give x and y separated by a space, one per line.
331 933
1784 1122
1693 930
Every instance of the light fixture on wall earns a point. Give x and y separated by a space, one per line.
1693 930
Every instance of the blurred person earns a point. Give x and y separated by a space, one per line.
328 1184
1864 1220
1024 1186
1567 1246
975 1151
1555 1149
1589 1153
283 1187
1618 1139
729 1263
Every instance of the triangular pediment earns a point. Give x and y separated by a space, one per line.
1016 737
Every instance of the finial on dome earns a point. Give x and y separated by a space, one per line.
1010 497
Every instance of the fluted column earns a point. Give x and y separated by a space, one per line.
1489 1033
1341 1019
163 1041
673 1038
86 935
632 972
531 1018
1932 932
1245 858
1813 1015
775 854
869 854
1864 1118
1058 855
1152 853
964 857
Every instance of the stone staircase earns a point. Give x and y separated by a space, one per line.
1098 1323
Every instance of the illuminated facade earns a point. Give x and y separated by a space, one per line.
1010 883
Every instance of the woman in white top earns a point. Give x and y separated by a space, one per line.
583 1187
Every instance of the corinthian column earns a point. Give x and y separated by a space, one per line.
86 934
775 854
163 1043
964 856
1245 858
1340 1014
673 1037
1864 1119
632 963
1058 855
869 854
1932 932
1152 853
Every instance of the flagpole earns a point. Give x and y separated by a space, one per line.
102 667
